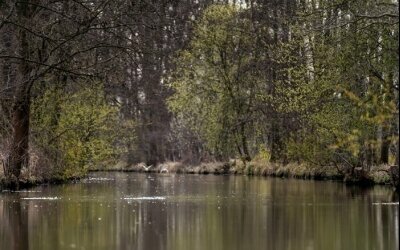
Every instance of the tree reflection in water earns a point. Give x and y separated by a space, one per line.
200 212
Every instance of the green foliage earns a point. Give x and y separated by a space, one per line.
328 95
348 106
86 125
213 84
264 155
77 126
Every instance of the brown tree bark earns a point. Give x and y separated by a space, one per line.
20 109
385 145
246 151
19 157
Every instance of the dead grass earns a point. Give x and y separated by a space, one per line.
256 167
380 175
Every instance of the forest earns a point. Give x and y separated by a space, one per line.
249 83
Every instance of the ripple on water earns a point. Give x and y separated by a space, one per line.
99 179
41 198
145 198
386 203
20 191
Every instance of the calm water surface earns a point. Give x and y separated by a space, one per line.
181 212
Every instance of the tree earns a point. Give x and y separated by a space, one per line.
40 39
215 81
78 129
322 88
354 81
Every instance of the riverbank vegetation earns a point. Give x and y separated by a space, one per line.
257 167
322 89
286 88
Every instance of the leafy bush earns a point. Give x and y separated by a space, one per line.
77 129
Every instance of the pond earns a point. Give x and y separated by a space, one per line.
181 212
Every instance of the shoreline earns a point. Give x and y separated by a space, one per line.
377 176
27 184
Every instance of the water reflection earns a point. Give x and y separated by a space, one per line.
14 219
139 211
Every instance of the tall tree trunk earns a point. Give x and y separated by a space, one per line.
397 144
20 115
385 145
246 152
20 110
18 157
